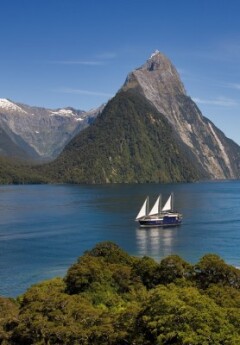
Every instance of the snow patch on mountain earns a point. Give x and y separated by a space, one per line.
7 105
156 52
64 112
42 133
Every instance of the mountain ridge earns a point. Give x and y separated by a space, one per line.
150 131
40 132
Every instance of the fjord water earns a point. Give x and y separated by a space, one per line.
45 228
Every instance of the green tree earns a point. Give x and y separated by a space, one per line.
172 268
111 253
148 270
211 269
8 319
110 298
50 316
174 315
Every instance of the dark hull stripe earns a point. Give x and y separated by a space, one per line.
162 223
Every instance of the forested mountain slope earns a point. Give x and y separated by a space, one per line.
129 142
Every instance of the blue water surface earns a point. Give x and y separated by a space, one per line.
45 228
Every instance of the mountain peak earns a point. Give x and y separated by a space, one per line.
156 77
159 82
156 52
9 106
159 62
4 101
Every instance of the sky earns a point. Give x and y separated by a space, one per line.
59 53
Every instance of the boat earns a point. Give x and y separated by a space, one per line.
157 216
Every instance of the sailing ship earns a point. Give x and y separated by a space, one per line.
159 217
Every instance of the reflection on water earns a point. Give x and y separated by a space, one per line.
156 242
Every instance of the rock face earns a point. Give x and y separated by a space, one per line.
39 134
217 156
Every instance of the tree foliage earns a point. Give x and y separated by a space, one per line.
211 269
16 172
174 315
109 297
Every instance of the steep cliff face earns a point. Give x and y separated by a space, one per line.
39 133
159 82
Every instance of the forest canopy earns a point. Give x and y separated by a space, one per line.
110 297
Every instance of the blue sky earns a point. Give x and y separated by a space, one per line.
57 53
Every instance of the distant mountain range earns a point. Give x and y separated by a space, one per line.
39 134
151 131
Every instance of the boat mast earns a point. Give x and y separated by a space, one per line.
160 204
147 206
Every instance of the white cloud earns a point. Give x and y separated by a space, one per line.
79 62
106 55
224 49
230 47
235 86
97 61
84 92
220 101
181 71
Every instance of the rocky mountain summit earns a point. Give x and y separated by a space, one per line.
158 81
39 134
